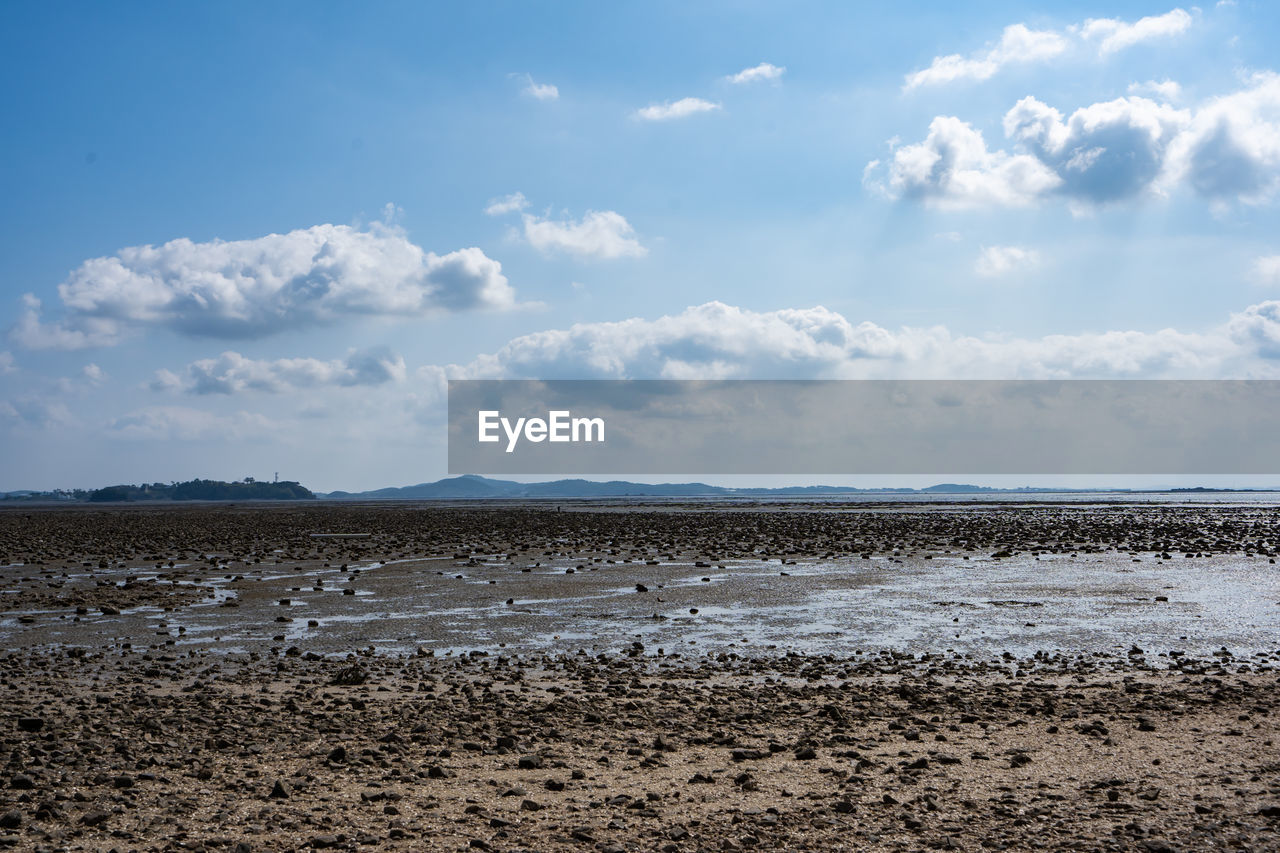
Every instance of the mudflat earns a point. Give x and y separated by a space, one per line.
640 677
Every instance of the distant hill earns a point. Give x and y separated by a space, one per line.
204 490
471 486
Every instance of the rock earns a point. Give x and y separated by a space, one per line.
553 785
95 817
530 806
280 790
338 754
324 842
122 781
807 753
22 782
108 610
1158 845
530 762
11 819
30 724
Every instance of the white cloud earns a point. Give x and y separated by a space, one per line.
1266 270
763 71
30 411
7 364
540 91
602 234
1166 90
1113 34
1103 152
253 288
953 168
1021 45
599 234
994 261
675 109
93 374
233 373
716 340
507 204
1226 149
1231 149
1258 327
1018 44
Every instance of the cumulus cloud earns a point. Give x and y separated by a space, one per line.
599 234
253 288
994 261
507 204
1258 327
763 71
604 234
1113 35
7 364
1231 148
675 109
1103 152
716 340
233 373
954 168
1226 149
1266 270
1018 44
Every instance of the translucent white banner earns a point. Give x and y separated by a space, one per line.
805 427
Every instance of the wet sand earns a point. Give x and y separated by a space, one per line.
640 678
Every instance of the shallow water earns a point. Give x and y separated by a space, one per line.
981 606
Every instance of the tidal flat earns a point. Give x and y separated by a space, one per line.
649 676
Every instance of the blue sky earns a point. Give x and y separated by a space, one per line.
242 238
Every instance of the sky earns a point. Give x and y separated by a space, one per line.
238 239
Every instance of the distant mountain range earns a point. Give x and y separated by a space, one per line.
472 486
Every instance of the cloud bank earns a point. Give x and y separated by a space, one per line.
247 289
1021 45
233 373
1225 150
716 340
